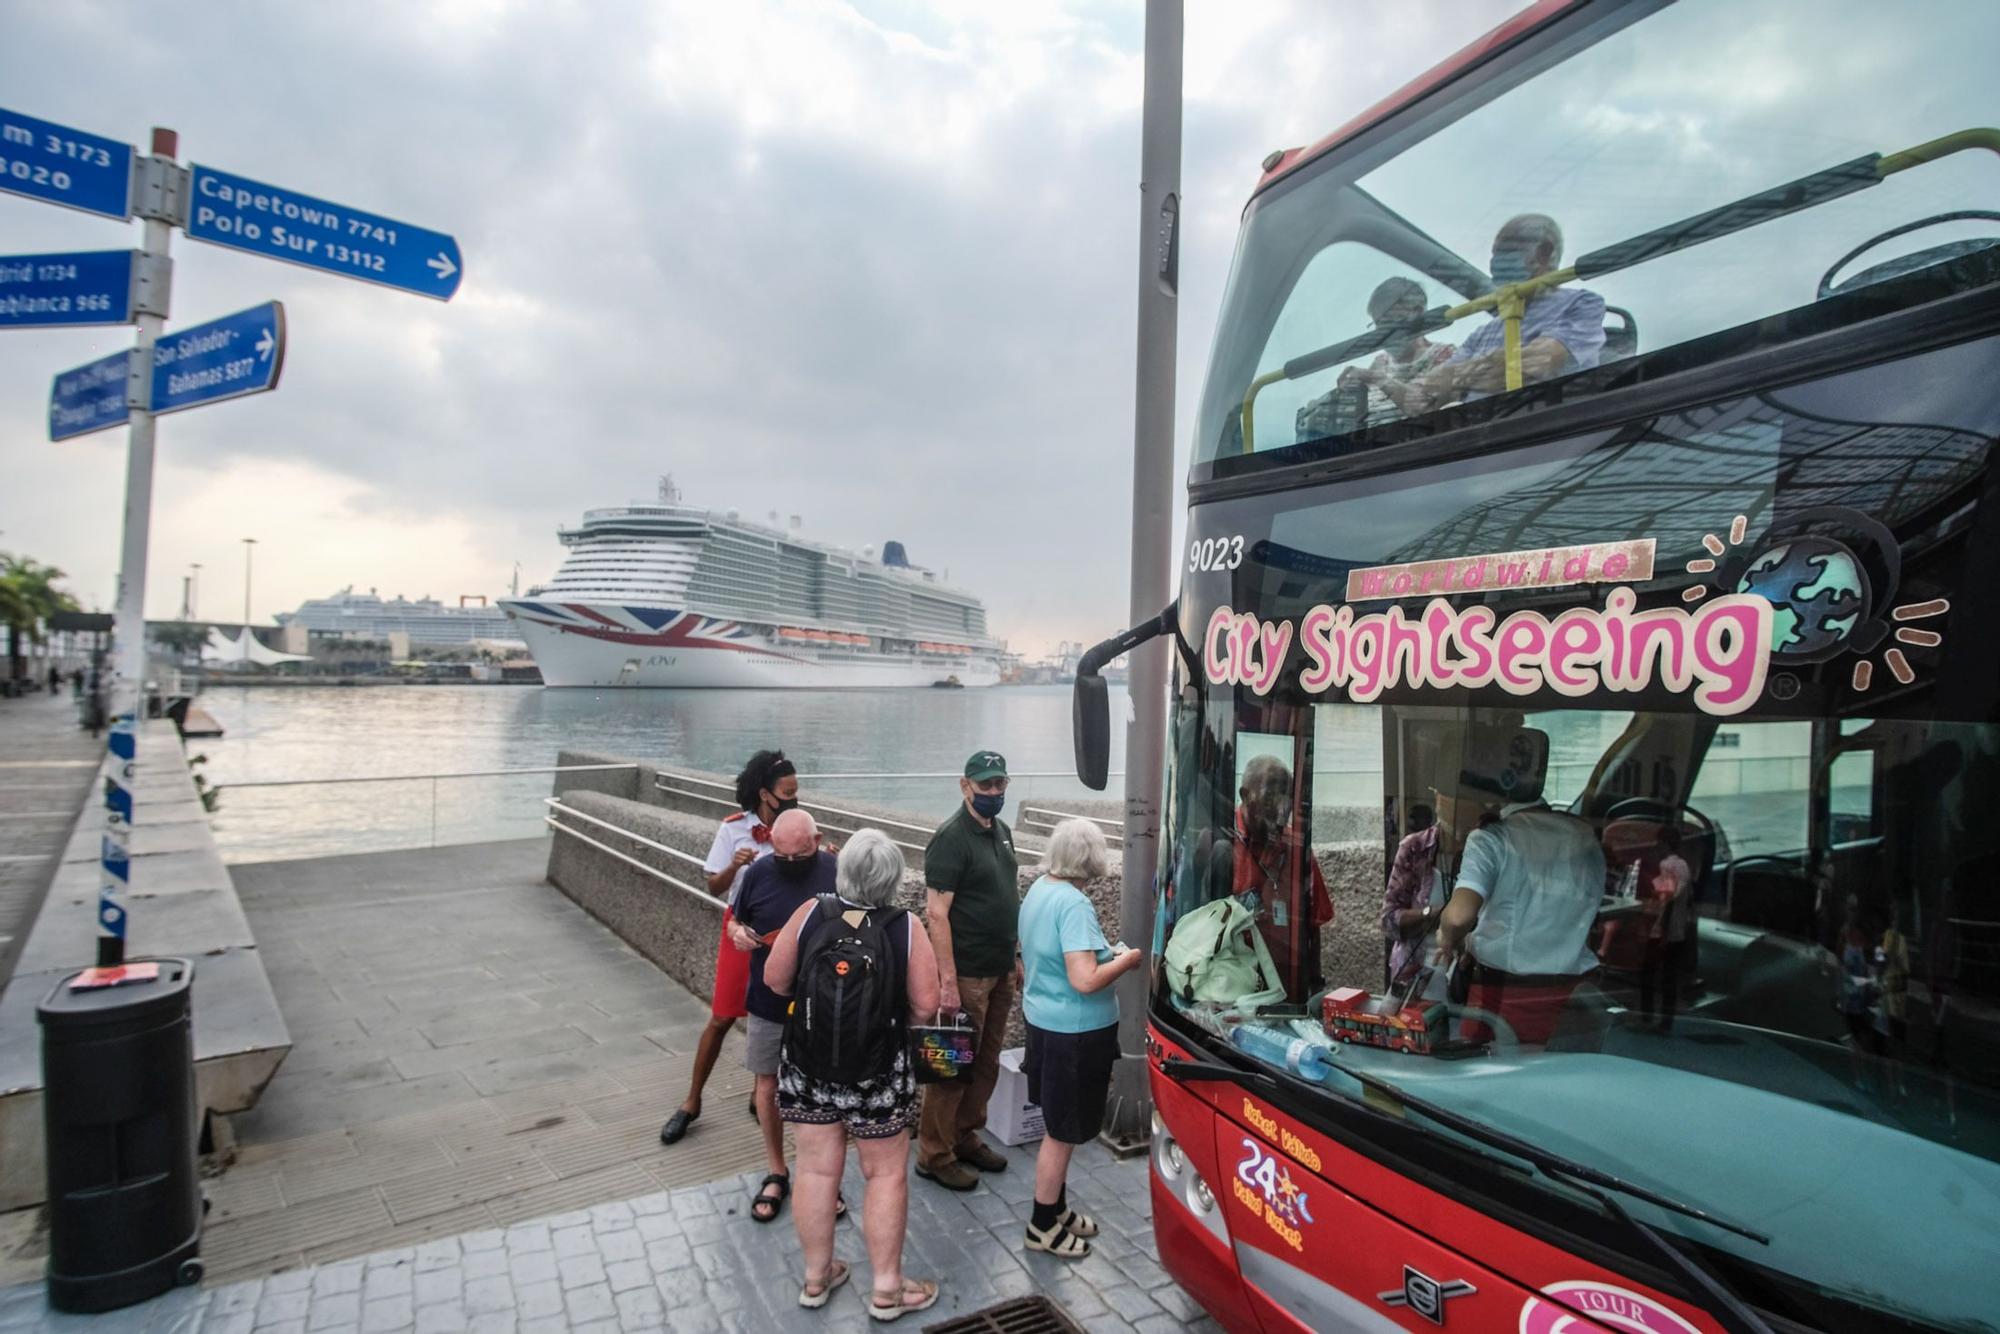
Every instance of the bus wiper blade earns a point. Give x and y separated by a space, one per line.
1543 1159
1187 1072
1722 1303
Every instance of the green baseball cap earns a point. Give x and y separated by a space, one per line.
986 764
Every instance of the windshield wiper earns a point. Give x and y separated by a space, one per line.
1544 1159
1722 1303
1187 1072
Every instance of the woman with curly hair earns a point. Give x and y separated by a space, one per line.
767 786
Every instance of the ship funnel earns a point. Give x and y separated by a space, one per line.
797 523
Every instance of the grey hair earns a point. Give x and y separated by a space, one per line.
1536 228
1390 291
1077 851
869 871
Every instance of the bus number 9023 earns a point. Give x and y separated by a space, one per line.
1215 553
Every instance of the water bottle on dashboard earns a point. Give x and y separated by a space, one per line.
1301 1057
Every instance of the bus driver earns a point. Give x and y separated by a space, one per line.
1527 890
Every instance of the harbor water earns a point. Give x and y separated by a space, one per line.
307 732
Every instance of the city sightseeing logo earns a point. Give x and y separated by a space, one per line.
1601 1306
1811 588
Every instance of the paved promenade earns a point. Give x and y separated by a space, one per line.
690 1260
470 1049
47 764
465 1138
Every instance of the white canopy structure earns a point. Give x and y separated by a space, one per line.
243 649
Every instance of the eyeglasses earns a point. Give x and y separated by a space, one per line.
989 785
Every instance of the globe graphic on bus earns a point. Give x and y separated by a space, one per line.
1817 590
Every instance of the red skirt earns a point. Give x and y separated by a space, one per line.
732 976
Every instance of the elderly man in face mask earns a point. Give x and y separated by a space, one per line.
1562 329
797 871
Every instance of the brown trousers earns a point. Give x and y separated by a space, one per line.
954 1113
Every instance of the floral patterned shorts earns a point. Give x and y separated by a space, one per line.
871 1109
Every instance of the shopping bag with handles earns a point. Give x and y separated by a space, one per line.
941 1052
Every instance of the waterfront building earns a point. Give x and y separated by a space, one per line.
669 594
426 621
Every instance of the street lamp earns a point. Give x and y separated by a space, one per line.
194 591
248 544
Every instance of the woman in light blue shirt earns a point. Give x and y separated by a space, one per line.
1072 1018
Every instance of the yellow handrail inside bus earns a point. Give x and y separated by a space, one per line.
1511 302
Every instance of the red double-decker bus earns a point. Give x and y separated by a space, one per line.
1590 574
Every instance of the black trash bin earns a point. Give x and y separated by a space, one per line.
119 1117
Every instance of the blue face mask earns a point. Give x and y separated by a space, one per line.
986 805
1509 266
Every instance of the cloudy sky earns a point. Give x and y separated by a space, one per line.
867 262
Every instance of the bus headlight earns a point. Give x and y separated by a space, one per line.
1200 1198
1176 1161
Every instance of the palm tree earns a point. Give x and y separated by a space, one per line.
28 597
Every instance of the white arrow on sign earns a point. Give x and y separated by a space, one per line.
264 345
442 263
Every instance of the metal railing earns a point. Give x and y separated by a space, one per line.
1042 820
432 779
557 808
844 823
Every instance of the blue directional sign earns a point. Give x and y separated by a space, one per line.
86 287
63 166
90 398
227 358
230 210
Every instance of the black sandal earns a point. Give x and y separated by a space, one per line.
766 1208
677 1125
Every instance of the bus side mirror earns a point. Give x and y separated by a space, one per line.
1090 701
1091 713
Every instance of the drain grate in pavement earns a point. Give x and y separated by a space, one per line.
1028 1315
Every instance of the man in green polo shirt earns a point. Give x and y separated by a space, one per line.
972 894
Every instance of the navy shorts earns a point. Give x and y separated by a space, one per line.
1069 1077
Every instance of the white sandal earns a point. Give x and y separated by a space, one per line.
1057 1241
836 1274
1081 1225
902 1306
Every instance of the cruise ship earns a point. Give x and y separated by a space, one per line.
669 594
351 615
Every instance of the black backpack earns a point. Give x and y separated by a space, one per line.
847 1015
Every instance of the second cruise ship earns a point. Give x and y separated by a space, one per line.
669 594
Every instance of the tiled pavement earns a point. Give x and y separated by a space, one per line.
471 1049
691 1260
47 767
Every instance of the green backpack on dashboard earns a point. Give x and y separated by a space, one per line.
1217 954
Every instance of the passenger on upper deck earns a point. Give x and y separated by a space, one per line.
1395 302
1562 329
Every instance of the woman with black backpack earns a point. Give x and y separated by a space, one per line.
856 967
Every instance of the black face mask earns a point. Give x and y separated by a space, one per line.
783 804
795 868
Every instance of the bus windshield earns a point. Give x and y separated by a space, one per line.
1610 153
1633 794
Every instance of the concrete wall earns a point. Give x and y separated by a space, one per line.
676 928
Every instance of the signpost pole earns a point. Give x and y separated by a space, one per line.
128 687
1130 1124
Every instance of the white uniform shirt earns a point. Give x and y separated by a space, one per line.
738 831
1540 875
